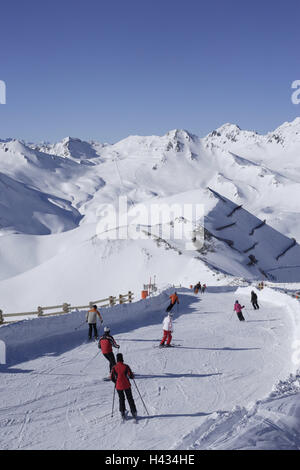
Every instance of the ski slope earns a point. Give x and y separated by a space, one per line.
53 397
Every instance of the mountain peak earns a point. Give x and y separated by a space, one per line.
228 127
70 139
181 134
289 126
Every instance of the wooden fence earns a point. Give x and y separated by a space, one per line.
67 308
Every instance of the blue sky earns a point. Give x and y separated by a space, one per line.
102 70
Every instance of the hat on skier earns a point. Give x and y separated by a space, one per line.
120 357
106 329
95 306
236 301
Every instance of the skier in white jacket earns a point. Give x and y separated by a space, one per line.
168 330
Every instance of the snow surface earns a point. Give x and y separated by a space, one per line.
212 391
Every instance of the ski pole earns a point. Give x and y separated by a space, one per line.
89 362
141 397
113 403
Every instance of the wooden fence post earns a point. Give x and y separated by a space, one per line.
91 304
112 301
1 317
65 307
40 312
130 296
120 299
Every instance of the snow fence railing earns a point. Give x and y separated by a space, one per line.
67 308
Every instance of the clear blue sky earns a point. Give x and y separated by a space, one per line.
102 70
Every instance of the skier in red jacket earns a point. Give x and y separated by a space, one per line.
106 343
120 375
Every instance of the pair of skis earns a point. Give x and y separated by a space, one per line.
125 418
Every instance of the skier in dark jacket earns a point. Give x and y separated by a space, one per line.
120 375
254 300
197 288
106 342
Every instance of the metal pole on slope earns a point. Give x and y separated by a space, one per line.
113 403
247 312
89 362
141 397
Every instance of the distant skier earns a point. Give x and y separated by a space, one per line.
91 319
120 375
203 288
254 300
238 308
106 343
167 330
197 288
174 300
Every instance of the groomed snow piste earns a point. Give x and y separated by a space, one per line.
220 388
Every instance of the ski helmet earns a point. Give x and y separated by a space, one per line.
106 329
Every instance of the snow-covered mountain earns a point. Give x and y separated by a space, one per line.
53 188
262 172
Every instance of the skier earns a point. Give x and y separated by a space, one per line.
91 319
238 308
106 343
203 289
174 300
197 288
120 375
168 330
254 300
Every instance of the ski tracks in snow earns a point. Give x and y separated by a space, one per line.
219 365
